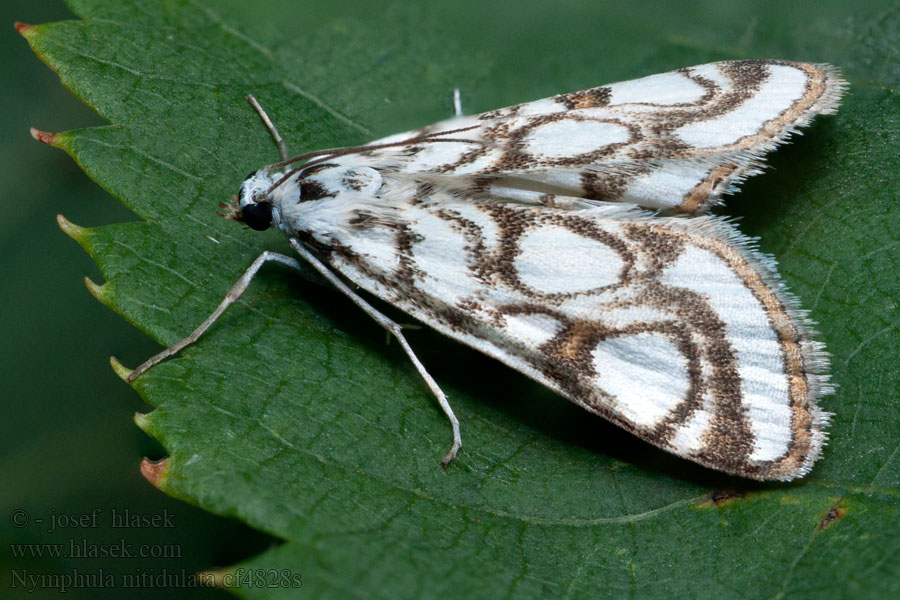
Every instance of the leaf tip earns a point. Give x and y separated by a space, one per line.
70 229
142 420
213 578
121 370
45 137
154 471
23 28
97 291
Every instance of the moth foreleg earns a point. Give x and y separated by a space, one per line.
457 103
231 297
394 329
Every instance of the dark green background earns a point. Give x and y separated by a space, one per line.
67 440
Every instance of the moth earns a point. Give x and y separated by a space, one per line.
566 237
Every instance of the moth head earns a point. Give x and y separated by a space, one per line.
253 203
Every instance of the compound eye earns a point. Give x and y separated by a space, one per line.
257 216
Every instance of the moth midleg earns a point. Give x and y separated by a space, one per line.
457 103
397 331
233 295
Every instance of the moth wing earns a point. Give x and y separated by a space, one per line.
675 140
675 329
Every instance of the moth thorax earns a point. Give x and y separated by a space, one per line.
255 187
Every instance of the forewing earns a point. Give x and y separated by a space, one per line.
676 329
674 140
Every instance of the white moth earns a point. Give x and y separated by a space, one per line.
554 237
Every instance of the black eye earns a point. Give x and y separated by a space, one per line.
257 216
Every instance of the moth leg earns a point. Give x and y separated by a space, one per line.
395 330
231 297
457 103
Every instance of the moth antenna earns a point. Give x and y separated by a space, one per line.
424 138
326 155
269 125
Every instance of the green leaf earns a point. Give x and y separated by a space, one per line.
293 415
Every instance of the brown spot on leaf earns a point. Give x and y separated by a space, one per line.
720 497
834 513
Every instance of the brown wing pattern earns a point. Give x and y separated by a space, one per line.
675 329
675 141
